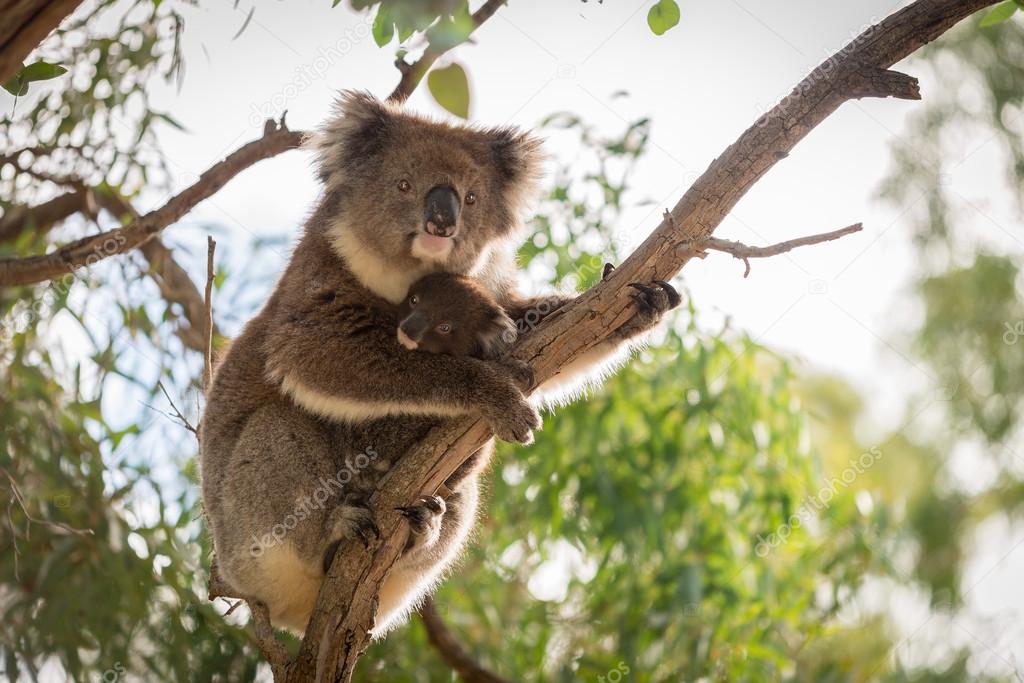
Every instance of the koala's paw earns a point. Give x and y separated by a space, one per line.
513 420
652 300
353 519
522 374
424 517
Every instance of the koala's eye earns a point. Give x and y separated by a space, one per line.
444 328
404 185
471 197
414 299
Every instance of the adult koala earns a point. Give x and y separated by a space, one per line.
316 399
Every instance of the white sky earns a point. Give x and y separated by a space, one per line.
840 306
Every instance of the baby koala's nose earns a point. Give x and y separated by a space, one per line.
411 330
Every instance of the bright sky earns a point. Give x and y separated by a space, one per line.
842 306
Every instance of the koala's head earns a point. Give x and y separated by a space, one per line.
419 193
452 314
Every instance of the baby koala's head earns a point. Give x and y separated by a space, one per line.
452 314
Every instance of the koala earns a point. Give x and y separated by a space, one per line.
317 398
454 315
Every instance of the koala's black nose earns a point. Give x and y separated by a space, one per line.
442 211
414 325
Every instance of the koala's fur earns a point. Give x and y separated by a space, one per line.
455 315
316 399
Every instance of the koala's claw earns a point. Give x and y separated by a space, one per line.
674 299
516 423
354 521
656 299
425 515
608 268
522 374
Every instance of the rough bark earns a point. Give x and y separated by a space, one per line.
338 631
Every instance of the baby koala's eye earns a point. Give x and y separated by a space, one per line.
444 328
404 185
471 197
414 299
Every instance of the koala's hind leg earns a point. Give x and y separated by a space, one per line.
436 538
279 488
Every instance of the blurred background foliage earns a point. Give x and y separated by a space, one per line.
692 520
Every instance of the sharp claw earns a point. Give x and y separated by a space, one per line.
608 268
375 530
646 289
362 537
641 302
674 299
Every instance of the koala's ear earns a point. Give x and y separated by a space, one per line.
357 129
518 155
497 336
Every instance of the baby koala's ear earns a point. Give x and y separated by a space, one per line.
497 336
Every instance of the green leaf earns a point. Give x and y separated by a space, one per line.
450 89
383 27
663 16
1000 13
37 71
41 71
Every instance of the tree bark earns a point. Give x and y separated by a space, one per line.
25 24
337 634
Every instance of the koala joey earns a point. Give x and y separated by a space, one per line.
316 398
454 315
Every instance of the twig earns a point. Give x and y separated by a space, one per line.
445 642
338 632
177 413
211 246
413 73
16 492
88 250
745 252
272 648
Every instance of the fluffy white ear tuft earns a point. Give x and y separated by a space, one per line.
355 129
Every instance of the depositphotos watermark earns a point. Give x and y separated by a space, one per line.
317 500
1013 332
615 675
818 502
308 74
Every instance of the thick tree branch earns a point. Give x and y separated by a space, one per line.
413 73
25 24
18 219
338 632
445 642
89 250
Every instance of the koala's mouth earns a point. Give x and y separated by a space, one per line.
431 247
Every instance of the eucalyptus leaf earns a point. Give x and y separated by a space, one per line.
450 88
663 16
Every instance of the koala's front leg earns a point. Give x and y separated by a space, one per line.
353 369
651 301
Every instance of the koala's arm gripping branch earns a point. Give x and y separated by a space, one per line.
338 632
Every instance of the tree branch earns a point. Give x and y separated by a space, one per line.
26 23
208 332
338 632
41 217
744 252
89 250
445 642
413 73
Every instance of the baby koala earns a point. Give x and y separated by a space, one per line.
454 315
